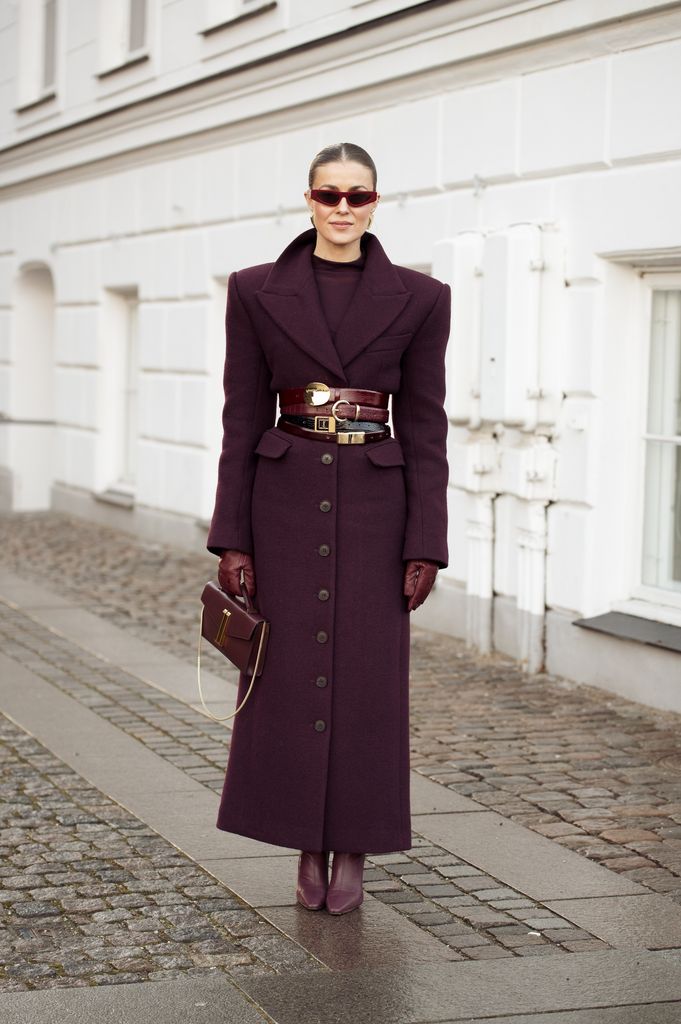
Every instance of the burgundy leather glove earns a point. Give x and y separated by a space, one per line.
419 576
229 572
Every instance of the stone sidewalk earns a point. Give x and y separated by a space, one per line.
543 884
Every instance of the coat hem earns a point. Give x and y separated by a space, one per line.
302 842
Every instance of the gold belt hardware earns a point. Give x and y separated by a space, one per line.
350 437
317 393
327 423
222 630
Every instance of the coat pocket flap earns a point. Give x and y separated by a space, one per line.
272 445
385 453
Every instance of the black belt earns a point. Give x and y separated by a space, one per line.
352 425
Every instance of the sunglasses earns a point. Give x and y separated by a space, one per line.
330 197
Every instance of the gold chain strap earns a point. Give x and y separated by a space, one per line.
198 672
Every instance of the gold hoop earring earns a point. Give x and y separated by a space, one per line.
312 219
371 217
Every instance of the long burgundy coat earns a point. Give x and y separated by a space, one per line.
319 758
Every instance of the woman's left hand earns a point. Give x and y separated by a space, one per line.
419 576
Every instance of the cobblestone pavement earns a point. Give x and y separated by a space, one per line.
89 895
592 771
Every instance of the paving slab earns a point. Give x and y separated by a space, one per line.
522 859
260 880
23 594
93 633
177 1001
655 1013
468 990
370 936
626 922
179 680
428 797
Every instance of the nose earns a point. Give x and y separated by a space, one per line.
343 206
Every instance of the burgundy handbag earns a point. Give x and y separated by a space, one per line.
235 629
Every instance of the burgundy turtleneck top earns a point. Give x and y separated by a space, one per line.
336 284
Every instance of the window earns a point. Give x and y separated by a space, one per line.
661 557
49 43
128 400
37 47
123 34
118 406
137 26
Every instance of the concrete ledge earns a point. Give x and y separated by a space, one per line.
630 669
214 1000
468 991
526 861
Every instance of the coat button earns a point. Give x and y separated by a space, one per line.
323 594
320 725
324 549
321 680
327 458
322 636
325 505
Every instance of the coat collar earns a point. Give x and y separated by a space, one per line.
289 294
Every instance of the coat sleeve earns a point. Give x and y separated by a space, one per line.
421 425
249 409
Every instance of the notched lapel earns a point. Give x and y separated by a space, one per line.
290 296
368 316
301 316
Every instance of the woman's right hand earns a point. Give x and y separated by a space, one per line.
229 572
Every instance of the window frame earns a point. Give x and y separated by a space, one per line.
32 54
652 281
115 19
218 15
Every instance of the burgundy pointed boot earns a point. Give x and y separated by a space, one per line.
345 888
313 867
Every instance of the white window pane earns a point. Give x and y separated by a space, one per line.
662 521
50 40
664 391
129 397
138 14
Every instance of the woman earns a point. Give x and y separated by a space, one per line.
341 526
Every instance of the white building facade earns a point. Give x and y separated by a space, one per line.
528 152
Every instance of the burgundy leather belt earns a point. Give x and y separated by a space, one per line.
351 411
317 393
330 405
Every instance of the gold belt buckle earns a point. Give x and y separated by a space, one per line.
317 393
350 437
325 423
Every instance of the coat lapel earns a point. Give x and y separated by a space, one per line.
289 295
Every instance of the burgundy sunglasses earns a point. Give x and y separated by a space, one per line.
331 197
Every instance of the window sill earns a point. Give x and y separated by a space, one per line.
238 18
130 62
635 627
39 101
118 495
646 608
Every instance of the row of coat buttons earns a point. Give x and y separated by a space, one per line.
323 595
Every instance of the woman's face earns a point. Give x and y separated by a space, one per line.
346 176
